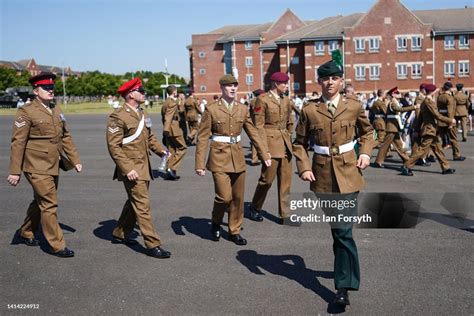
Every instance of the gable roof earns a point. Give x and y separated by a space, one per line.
449 20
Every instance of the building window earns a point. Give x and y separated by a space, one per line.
248 61
416 43
449 69
360 72
333 45
374 45
464 68
416 71
295 60
402 71
296 86
248 45
360 45
449 42
202 71
202 54
374 72
463 41
249 79
401 44
319 48
202 88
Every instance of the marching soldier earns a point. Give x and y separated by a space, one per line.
333 122
192 110
447 107
393 128
129 140
274 122
256 93
429 115
41 144
172 133
379 110
462 107
223 121
182 115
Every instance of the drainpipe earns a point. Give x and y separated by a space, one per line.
434 57
288 64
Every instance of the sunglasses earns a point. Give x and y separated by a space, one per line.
47 87
141 90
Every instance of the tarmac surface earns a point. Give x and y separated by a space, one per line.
416 256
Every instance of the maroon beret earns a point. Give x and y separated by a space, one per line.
422 86
279 77
129 86
392 91
43 78
429 87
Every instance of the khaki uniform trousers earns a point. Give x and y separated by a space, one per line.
137 210
390 138
193 129
177 147
229 188
463 120
281 168
43 209
453 139
428 142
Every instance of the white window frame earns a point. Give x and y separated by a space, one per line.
249 61
296 86
295 60
447 73
449 42
464 71
202 71
248 45
400 46
463 44
374 75
359 73
202 54
414 67
333 45
402 74
414 43
359 45
249 79
316 46
374 48
203 88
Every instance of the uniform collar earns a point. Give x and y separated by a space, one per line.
335 101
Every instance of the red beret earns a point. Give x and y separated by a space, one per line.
42 79
392 91
422 86
129 86
279 77
430 87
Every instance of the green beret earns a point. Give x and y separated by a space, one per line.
329 69
228 79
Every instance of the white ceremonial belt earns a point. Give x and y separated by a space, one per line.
226 139
443 111
137 133
392 116
334 150
379 115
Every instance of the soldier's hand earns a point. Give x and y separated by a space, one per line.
13 179
308 176
453 122
78 167
132 175
268 162
363 162
200 172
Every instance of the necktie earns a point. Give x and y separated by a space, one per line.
331 108
229 107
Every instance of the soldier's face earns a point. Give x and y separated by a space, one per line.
331 85
138 95
282 87
229 90
45 93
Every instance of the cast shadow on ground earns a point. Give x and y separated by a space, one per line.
200 227
104 231
292 267
44 246
264 214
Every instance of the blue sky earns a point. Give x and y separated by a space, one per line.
117 36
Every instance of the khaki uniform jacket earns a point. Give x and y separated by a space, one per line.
317 123
462 104
416 122
274 121
392 123
170 117
136 154
429 115
192 109
39 139
225 157
446 102
379 108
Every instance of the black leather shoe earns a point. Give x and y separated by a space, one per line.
29 241
464 140
406 172
423 163
460 158
431 158
255 215
125 241
448 171
342 298
256 163
377 165
159 253
238 240
171 175
215 232
65 253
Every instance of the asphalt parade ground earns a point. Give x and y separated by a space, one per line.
416 255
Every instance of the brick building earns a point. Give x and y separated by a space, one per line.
388 45
33 68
